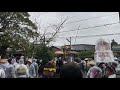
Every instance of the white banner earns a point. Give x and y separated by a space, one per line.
104 56
103 51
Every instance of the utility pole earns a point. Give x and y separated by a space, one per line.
70 43
119 16
70 48
44 41
64 51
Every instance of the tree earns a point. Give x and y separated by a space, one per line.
16 29
44 53
46 38
86 54
41 41
113 43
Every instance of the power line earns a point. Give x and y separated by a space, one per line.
83 20
92 35
76 35
87 28
90 27
91 18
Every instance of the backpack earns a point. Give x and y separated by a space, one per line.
21 70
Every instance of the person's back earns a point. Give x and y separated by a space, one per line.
31 69
114 65
57 62
15 64
102 66
2 73
110 73
6 69
49 70
71 70
10 70
94 72
82 66
36 67
22 71
5 65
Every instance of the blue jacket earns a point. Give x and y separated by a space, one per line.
36 67
31 69
9 70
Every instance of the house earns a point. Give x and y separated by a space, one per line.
81 47
55 48
116 50
75 49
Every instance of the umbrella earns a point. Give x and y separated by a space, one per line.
59 52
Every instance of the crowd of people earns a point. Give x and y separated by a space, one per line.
60 68
18 68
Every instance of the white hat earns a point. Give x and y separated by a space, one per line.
30 60
22 57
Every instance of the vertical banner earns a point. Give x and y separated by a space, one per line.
103 51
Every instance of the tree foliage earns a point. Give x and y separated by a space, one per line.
16 29
113 43
43 52
86 54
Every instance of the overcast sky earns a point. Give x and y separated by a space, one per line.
46 18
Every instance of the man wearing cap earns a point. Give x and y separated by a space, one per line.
31 69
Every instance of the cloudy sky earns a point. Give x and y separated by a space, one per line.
82 20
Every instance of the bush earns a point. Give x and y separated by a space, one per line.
45 54
86 54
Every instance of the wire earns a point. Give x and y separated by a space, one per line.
86 28
92 35
76 35
82 20
90 18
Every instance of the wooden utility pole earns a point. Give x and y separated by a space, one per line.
64 51
119 16
44 41
70 44
70 48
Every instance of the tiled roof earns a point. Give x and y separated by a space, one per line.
116 47
82 47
